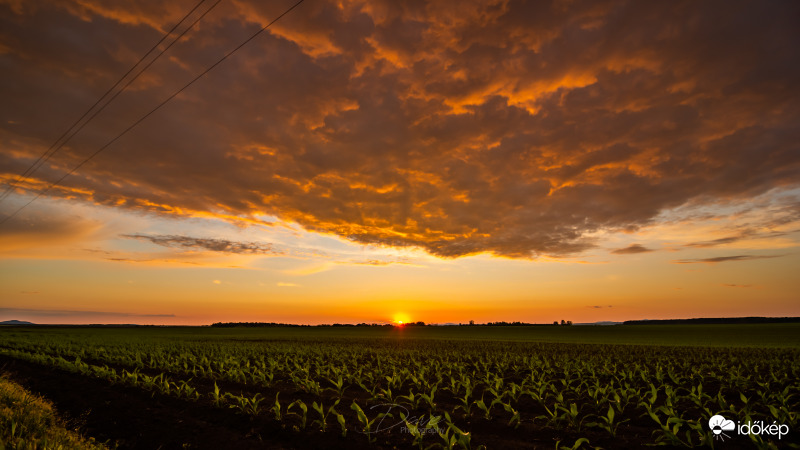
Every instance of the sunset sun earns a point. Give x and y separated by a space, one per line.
401 319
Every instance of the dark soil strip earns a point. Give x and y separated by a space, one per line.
135 419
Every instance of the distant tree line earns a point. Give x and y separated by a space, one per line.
715 320
409 324
275 324
254 324
515 324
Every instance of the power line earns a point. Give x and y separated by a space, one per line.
141 119
56 146
72 131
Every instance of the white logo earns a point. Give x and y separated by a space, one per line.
719 425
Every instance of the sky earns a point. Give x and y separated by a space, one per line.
379 161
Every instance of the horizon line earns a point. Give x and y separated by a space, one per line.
709 320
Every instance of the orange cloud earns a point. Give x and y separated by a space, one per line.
518 130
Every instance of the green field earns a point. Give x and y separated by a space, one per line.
785 335
415 387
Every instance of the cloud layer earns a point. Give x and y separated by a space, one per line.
505 127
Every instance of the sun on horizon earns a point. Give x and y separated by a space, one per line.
401 319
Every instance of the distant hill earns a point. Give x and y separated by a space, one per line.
16 322
715 320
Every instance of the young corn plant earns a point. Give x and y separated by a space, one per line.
247 405
253 405
413 428
487 410
463 438
276 408
607 422
578 443
465 402
311 386
184 389
598 394
551 417
366 423
700 398
670 429
652 398
263 378
428 399
454 386
303 408
342 424
338 386
386 395
570 415
538 393
218 397
515 417
450 439
394 381
626 396
514 392
323 415
412 399
366 387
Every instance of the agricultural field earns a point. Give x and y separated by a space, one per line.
415 387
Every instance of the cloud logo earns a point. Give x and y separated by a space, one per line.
719 425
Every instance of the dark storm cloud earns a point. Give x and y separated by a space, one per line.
631 249
515 128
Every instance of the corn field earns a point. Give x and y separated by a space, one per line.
452 394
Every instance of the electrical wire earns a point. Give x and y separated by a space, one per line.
72 131
159 106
